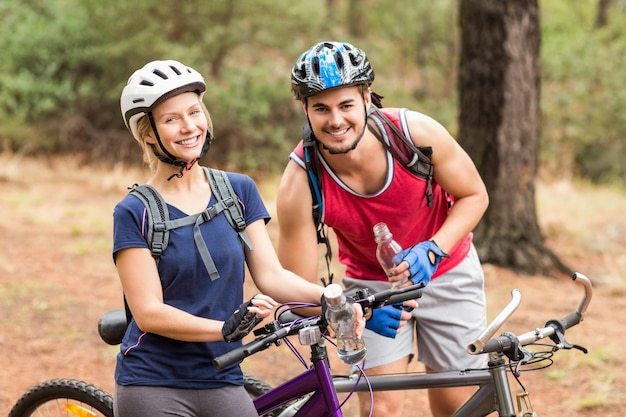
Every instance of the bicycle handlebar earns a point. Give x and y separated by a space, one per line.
508 341
276 331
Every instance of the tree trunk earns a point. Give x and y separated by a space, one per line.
357 18
602 15
499 121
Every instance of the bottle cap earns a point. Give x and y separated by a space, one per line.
334 294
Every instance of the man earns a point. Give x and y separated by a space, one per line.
361 185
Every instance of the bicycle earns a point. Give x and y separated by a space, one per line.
313 393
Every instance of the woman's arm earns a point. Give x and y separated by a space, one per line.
268 274
142 288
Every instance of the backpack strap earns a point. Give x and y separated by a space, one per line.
313 169
159 223
157 234
414 158
224 193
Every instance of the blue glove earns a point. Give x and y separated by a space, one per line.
385 320
421 266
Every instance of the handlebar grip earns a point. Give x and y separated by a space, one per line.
566 322
409 295
229 358
248 349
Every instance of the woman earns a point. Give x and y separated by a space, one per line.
181 317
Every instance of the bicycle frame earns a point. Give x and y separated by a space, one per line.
493 392
317 381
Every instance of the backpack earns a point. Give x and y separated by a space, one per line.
159 223
416 159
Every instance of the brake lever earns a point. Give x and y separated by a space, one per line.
559 339
363 294
268 329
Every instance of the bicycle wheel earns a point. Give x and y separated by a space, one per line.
64 397
254 386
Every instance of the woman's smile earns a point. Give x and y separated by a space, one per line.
190 142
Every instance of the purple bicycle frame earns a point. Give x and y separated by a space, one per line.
317 380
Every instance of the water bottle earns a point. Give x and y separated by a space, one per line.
340 317
386 250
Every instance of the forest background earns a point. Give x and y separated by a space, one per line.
66 158
65 63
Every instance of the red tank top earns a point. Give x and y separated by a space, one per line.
401 203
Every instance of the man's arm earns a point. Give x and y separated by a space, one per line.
297 239
456 173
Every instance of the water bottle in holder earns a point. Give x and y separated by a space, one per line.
386 250
340 317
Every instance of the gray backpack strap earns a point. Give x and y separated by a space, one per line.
224 193
159 225
157 233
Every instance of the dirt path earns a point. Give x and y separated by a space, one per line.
57 278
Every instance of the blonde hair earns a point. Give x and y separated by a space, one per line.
144 128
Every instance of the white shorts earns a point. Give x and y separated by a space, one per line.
451 314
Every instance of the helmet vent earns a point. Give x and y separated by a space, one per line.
176 70
339 60
160 74
316 65
138 100
146 82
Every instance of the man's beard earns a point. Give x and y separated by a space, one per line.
343 150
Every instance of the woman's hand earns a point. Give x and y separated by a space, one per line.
262 305
247 316
359 320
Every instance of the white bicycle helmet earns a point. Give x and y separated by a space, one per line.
329 65
154 83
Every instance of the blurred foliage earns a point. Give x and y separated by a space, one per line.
583 97
66 62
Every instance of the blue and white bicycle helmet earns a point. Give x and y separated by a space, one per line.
329 65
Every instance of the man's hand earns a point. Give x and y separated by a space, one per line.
386 321
422 259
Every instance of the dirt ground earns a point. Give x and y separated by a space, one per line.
57 278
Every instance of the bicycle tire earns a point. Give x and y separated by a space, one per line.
64 397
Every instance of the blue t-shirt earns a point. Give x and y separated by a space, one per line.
150 359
